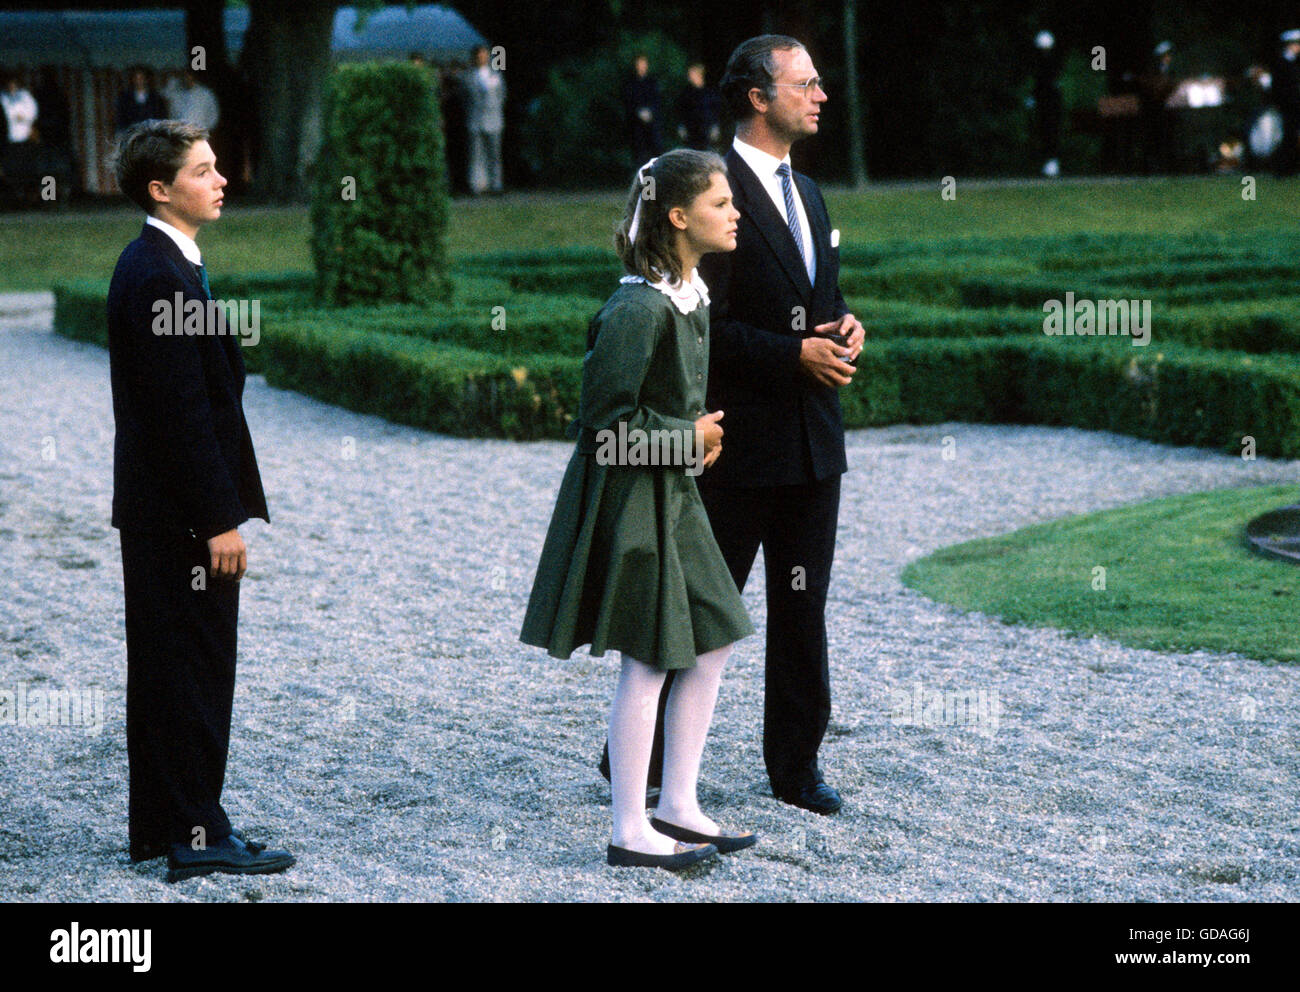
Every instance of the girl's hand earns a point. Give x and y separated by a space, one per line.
708 433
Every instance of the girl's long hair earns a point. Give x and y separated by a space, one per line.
674 179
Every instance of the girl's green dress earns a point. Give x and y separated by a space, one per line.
630 561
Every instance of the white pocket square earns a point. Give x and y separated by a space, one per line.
835 238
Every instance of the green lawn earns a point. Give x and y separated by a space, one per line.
37 249
1177 576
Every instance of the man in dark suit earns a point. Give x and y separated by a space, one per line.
139 101
780 332
1286 93
184 478
641 106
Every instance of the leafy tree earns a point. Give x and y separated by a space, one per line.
576 130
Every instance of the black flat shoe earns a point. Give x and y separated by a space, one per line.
726 842
817 798
683 856
230 855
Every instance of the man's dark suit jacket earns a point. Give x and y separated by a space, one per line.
1286 87
183 460
781 427
129 111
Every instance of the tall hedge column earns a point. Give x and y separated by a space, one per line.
379 204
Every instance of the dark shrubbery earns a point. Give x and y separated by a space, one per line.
576 133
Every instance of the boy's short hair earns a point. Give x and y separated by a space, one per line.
149 150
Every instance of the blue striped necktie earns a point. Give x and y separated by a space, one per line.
791 214
203 275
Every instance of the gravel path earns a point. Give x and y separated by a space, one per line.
391 730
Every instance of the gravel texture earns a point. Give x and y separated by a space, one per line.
391 730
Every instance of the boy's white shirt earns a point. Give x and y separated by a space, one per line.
183 241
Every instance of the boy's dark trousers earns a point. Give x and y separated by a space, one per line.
180 687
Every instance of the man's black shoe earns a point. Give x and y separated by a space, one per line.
252 845
817 797
230 855
159 849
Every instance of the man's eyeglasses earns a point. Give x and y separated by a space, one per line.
808 86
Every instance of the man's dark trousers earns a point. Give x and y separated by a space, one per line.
796 526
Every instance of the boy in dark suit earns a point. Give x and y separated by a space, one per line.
184 478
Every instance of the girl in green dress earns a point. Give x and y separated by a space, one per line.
630 561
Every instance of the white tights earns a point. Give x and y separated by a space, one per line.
631 736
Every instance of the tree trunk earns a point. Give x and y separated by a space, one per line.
205 28
856 122
286 58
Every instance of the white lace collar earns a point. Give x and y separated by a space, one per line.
686 295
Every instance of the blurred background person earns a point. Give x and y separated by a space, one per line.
455 132
697 111
52 135
485 100
1046 101
17 154
452 117
20 109
190 101
139 101
1155 86
55 119
641 104
1286 96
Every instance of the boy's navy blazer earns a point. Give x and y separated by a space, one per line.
183 460
781 427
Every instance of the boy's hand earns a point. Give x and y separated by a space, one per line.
229 555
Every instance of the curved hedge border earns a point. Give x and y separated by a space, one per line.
1170 394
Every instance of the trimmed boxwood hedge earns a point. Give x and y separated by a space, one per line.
1255 326
1168 393
379 208
426 384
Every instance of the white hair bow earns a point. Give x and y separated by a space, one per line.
636 214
